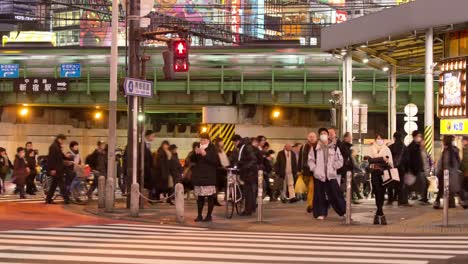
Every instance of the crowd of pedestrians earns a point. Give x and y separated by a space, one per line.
314 171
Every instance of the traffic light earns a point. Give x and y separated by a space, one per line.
176 58
181 57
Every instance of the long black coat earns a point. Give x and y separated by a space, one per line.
412 159
55 159
345 149
20 170
161 170
204 168
280 166
248 163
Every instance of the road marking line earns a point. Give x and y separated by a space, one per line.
172 236
226 247
246 257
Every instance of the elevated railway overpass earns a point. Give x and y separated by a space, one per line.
296 77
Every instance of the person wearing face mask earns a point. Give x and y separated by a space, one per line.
206 162
412 163
324 160
380 159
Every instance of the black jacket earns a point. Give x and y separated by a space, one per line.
161 170
411 160
397 150
248 162
204 169
304 158
280 166
5 166
55 159
345 149
31 165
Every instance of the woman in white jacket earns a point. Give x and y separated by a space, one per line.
324 160
380 159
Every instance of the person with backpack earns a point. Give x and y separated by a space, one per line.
5 167
324 161
98 162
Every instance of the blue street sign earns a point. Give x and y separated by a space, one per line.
70 70
140 88
9 71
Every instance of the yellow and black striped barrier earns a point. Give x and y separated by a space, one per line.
223 131
429 139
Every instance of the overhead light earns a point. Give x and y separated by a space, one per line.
24 111
385 69
97 115
356 102
204 129
276 114
365 60
141 117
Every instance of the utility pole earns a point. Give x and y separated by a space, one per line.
112 126
134 72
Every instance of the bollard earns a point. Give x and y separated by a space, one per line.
109 195
101 191
446 197
179 202
135 200
349 194
260 197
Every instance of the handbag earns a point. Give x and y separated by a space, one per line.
390 175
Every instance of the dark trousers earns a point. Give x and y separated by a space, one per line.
331 190
21 191
248 192
402 192
30 184
379 191
57 181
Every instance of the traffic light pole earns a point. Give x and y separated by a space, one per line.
134 62
112 126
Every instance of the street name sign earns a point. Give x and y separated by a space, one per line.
137 87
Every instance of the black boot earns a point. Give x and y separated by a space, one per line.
376 220
383 220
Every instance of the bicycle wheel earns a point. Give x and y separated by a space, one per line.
230 203
240 204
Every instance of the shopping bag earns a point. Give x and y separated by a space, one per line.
300 187
390 175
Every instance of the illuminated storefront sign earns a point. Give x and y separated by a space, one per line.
30 37
341 16
454 126
235 20
333 2
452 89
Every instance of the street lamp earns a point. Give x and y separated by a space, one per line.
23 111
97 115
276 113
141 117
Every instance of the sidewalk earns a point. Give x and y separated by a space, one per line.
279 217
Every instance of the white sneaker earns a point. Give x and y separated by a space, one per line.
320 217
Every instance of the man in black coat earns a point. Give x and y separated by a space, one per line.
398 190
248 169
56 169
412 162
286 169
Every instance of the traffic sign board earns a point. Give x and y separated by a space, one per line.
70 70
36 85
9 71
137 87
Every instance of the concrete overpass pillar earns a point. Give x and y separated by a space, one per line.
220 122
347 98
429 94
392 109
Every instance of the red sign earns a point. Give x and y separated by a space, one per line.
235 20
341 16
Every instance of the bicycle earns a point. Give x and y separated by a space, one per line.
234 197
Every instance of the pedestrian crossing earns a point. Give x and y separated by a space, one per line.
145 244
14 198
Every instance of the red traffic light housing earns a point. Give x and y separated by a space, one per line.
181 56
